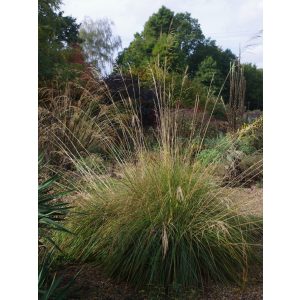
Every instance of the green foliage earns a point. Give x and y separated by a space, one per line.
51 213
177 39
207 156
165 50
209 75
215 150
98 42
185 90
237 155
49 286
176 42
251 136
247 141
254 87
57 34
246 145
186 49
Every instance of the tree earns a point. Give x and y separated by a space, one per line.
181 33
57 36
99 44
179 40
189 46
209 74
254 87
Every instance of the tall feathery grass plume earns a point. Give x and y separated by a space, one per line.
163 219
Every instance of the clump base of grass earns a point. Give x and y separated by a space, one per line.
162 223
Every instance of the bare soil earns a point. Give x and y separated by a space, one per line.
92 284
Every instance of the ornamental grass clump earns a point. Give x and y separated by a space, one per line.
163 220
164 223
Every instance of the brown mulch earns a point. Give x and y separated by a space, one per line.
92 284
